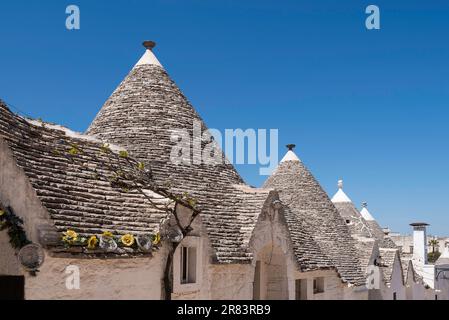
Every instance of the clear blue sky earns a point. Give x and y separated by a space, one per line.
370 107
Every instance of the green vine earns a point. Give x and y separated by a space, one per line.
14 224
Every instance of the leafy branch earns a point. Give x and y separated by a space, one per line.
17 235
123 172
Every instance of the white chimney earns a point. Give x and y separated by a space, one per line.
420 242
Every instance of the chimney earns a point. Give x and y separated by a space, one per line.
420 242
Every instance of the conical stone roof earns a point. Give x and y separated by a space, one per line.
384 240
356 223
145 115
310 205
361 224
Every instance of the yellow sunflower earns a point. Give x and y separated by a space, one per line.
157 239
92 242
70 236
108 234
128 240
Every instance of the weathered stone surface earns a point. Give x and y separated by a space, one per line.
140 116
68 188
328 242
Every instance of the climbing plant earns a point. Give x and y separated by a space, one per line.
14 224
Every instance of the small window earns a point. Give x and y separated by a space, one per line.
188 265
395 296
318 285
348 221
411 249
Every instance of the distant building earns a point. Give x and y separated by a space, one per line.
405 242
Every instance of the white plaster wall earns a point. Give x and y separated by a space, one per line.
354 293
442 285
16 191
396 284
231 282
271 239
418 291
397 281
9 265
117 279
335 289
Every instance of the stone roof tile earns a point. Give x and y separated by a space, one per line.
68 187
319 218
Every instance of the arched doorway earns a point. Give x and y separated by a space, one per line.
270 276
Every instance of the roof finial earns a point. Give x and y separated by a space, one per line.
365 205
340 184
290 156
149 44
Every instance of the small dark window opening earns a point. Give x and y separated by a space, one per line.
188 265
348 221
395 297
12 288
257 280
318 285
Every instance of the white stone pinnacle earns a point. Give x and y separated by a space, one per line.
149 59
340 196
290 156
366 214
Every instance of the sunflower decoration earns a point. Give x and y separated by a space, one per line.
156 239
127 240
107 234
92 242
70 237
2 217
